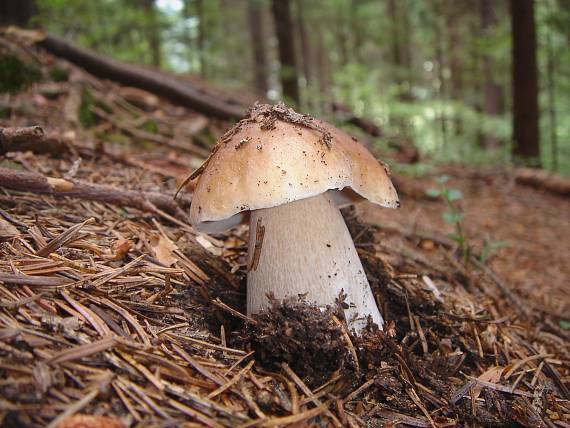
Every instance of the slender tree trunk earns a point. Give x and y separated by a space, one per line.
493 104
231 18
17 12
395 30
406 44
306 53
202 37
551 83
323 68
400 46
153 33
189 38
285 39
339 32
441 78
526 144
455 64
356 30
304 39
257 33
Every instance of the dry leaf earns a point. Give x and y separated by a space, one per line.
493 375
163 248
42 377
120 248
7 229
91 421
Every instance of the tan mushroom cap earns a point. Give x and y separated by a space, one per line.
272 158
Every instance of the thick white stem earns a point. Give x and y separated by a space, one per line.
307 250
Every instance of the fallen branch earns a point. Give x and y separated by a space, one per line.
143 78
145 201
32 138
541 179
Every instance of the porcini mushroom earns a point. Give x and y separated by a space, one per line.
289 173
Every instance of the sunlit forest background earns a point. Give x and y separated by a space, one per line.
435 73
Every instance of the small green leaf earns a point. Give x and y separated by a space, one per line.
497 245
433 193
452 218
150 126
460 239
454 195
442 179
565 325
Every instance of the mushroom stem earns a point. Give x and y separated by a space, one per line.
304 248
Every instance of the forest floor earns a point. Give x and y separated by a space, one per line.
121 314
528 227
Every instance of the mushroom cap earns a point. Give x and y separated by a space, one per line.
275 156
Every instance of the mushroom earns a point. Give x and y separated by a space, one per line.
290 173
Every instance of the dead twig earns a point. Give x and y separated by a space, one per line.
37 183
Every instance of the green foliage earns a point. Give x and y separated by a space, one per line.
86 117
150 126
58 74
15 75
5 111
402 69
453 215
118 28
420 169
490 248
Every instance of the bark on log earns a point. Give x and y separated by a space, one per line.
32 138
59 187
541 179
139 77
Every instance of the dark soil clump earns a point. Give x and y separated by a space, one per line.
301 335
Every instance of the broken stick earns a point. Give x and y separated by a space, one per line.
32 138
59 187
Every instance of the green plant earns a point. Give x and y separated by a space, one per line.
86 117
58 74
490 247
15 75
453 215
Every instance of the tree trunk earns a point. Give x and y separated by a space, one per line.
395 30
455 63
201 37
305 48
550 84
153 33
493 103
441 78
526 145
257 33
400 46
284 30
323 70
406 45
17 12
356 30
